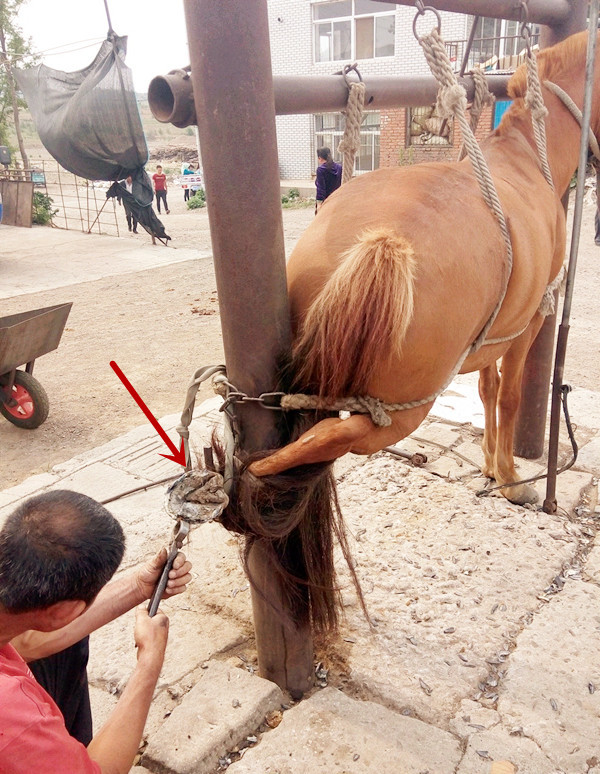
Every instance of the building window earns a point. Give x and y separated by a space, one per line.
329 130
353 29
498 45
426 128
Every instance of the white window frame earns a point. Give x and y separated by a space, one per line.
352 19
330 137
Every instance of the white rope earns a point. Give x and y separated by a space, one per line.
482 97
350 142
535 102
452 101
575 112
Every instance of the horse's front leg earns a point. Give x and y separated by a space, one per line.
489 381
509 398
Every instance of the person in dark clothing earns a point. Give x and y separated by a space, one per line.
329 176
131 221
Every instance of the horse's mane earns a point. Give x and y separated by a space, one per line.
551 62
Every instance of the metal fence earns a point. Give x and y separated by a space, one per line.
498 53
80 204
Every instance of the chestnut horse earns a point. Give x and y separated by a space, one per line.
389 287
402 267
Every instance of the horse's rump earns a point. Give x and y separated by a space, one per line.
360 316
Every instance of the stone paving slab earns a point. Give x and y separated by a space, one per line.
460 403
70 257
330 732
551 691
225 706
451 582
498 744
446 579
589 457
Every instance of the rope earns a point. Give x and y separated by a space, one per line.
575 112
548 302
110 27
201 375
452 101
350 142
481 99
535 102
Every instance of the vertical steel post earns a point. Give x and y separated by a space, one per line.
531 420
233 89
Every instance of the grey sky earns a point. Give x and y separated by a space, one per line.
156 30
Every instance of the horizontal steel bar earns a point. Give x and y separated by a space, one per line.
171 98
550 12
323 93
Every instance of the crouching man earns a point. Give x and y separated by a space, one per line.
57 553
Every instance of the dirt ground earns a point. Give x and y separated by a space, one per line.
161 324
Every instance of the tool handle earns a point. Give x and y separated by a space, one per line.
161 584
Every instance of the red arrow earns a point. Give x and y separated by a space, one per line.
177 456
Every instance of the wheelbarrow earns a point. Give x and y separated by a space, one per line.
23 338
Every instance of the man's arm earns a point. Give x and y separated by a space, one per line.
116 598
114 747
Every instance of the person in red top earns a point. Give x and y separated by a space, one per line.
57 552
160 189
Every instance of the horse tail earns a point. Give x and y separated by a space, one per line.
292 519
359 318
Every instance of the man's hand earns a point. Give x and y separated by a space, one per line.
151 636
147 575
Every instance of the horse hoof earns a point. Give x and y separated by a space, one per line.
521 495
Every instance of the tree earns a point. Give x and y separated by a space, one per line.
13 47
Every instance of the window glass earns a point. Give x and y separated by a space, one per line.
333 10
371 120
329 130
364 157
323 42
372 6
364 37
342 40
329 121
385 28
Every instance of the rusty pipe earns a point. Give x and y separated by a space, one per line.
171 97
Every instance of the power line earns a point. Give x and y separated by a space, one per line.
54 51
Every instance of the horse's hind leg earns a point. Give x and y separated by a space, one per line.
489 381
509 398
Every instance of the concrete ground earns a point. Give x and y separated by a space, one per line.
485 626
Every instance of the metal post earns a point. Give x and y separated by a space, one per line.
531 421
563 330
233 89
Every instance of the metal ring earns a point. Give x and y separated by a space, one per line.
421 10
347 69
525 33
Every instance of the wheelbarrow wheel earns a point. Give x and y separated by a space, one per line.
32 402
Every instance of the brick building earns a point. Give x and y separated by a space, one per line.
318 37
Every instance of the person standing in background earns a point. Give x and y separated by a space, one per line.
189 170
160 188
329 176
131 221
